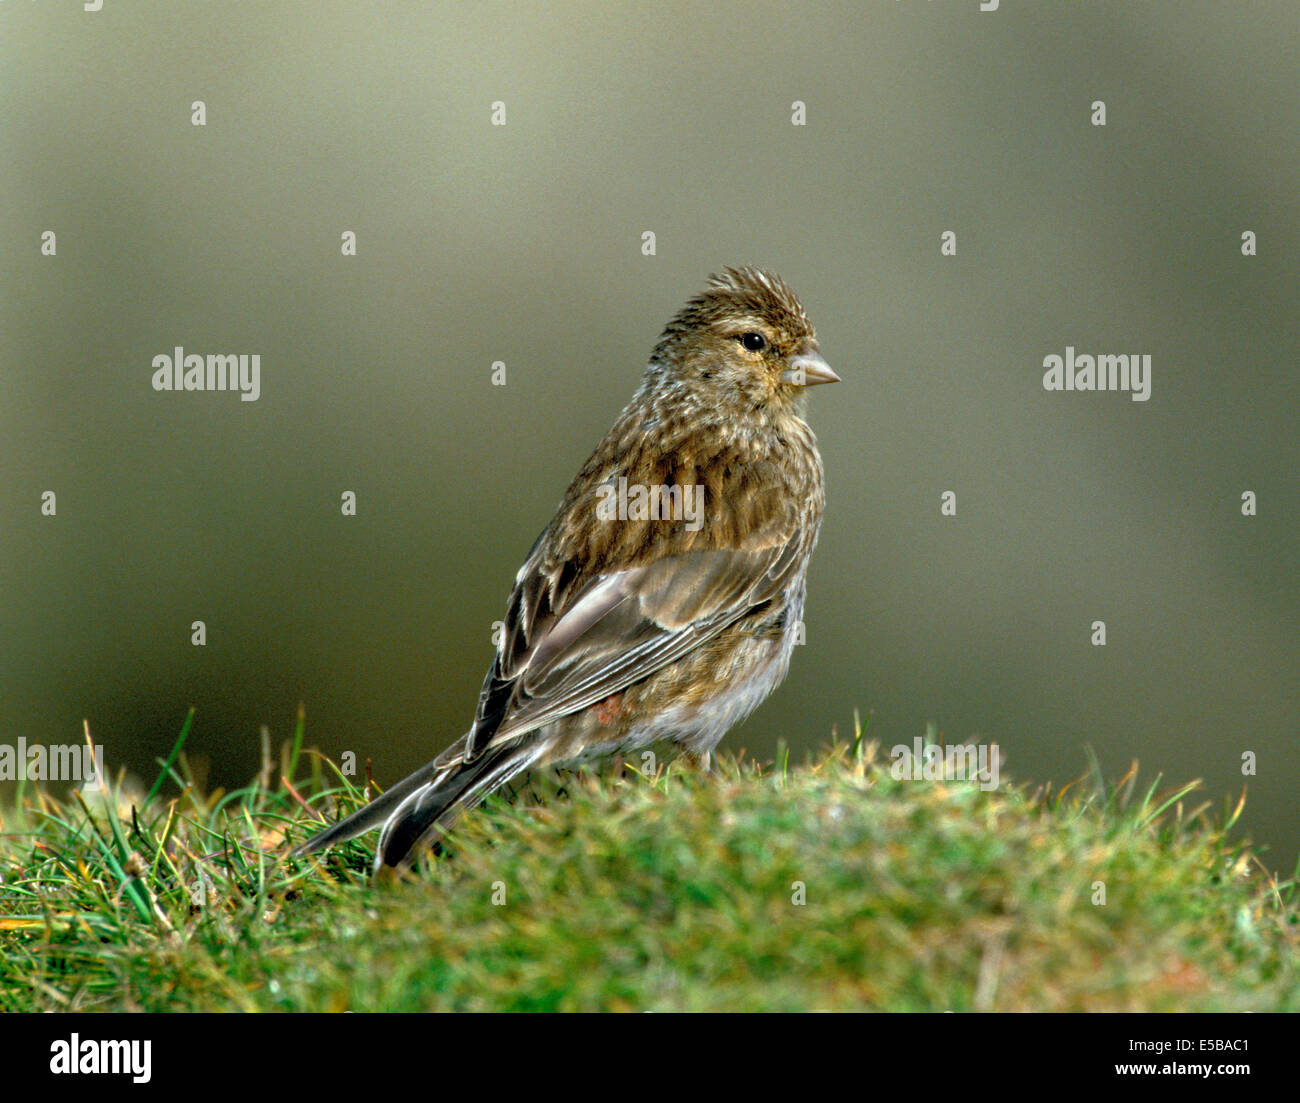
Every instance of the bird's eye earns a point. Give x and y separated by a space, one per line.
755 342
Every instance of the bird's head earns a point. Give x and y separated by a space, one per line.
745 341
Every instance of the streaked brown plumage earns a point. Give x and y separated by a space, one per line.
620 634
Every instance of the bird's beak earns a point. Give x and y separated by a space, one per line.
807 370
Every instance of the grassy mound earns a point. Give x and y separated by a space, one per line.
827 886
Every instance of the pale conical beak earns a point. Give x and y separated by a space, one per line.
807 370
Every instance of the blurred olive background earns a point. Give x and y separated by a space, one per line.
522 244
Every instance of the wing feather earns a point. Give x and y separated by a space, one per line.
619 629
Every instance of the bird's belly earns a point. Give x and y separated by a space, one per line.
677 705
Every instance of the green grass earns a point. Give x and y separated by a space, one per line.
672 892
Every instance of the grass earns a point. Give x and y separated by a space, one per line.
624 892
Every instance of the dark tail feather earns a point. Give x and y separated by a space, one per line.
431 806
372 815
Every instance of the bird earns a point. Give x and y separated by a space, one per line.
661 604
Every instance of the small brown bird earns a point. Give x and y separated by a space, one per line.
662 602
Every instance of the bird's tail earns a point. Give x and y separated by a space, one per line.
412 810
371 816
456 789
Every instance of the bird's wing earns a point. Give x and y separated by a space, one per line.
618 629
